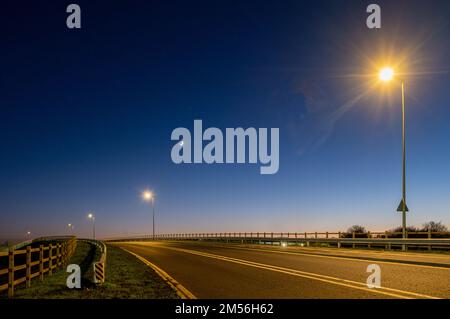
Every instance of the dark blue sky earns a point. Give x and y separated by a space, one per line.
86 115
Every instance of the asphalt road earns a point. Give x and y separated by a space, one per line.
211 270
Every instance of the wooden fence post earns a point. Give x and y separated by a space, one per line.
339 240
50 260
353 236
65 253
58 261
11 272
59 255
429 237
28 267
41 262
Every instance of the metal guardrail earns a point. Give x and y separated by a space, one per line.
99 266
34 262
339 239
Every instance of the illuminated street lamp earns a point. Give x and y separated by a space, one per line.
28 235
149 196
386 75
92 217
70 227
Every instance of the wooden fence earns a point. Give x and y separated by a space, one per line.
23 265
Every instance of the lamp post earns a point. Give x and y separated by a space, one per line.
387 74
70 227
148 196
92 217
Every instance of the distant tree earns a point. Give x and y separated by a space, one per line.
357 229
360 232
434 227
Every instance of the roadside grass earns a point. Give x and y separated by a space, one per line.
126 278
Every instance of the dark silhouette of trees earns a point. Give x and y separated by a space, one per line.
434 227
360 232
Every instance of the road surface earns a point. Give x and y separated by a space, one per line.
214 270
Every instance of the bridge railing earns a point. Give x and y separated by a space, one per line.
369 239
290 235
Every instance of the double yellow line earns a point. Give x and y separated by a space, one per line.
395 293
342 257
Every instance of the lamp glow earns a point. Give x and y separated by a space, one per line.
386 74
147 196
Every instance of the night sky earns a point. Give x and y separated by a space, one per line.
86 115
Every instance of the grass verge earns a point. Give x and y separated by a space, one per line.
126 278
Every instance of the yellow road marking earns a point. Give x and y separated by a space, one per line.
385 253
179 289
334 257
396 293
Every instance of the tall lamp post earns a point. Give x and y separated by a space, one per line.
386 75
148 196
92 217
70 227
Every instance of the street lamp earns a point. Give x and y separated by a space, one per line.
91 216
149 196
70 227
387 74
28 235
